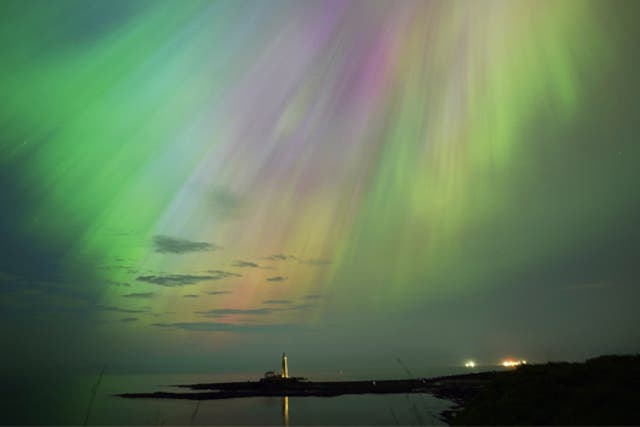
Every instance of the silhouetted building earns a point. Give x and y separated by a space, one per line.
271 375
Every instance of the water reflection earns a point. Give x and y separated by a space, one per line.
285 410
58 402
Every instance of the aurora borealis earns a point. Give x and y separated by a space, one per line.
194 184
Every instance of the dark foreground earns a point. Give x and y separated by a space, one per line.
601 391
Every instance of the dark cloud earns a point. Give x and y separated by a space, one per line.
227 327
10 284
276 279
224 204
190 296
277 301
123 284
118 309
129 319
167 244
245 264
219 274
220 312
301 306
217 292
172 280
280 257
112 267
139 295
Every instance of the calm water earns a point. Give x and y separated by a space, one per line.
66 402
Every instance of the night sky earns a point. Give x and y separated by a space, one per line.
193 186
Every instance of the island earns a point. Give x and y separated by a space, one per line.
459 388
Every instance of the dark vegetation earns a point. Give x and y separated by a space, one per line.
603 390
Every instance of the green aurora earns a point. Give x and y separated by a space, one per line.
188 186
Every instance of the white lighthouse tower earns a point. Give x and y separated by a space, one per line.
285 368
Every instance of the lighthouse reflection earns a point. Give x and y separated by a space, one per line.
285 410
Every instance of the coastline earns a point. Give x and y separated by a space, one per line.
600 391
458 388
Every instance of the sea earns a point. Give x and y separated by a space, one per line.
80 400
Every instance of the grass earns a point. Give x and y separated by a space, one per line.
94 391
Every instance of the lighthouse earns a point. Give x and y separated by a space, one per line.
285 368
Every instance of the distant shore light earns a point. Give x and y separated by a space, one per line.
469 364
510 363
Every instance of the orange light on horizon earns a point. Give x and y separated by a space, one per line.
510 363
